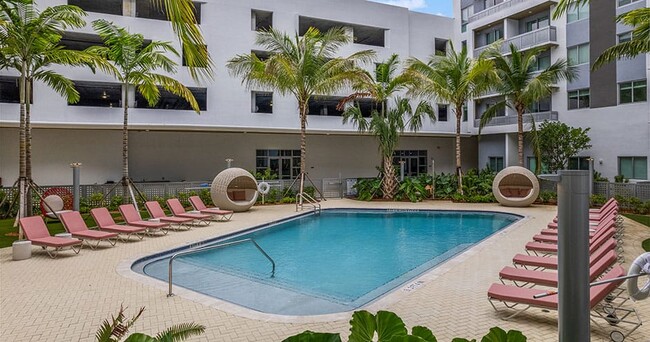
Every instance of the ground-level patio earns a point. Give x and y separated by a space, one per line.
67 299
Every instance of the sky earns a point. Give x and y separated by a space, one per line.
439 7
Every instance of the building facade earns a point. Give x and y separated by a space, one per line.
612 101
260 129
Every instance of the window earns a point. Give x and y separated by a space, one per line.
261 55
542 61
9 92
98 94
104 6
284 163
463 45
633 167
80 41
538 23
493 36
465 13
543 105
633 91
262 102
415 162
441 46
575 13
170 101
361 34
495 163
625 37
151 10
579 99
532 164
626 2
579 163
465 113
184 62
578 54
261 20
442 112
325 106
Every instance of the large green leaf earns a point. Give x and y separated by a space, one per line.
424 333
389 325
362 326
310 336
139 337
497 334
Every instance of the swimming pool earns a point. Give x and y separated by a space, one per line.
337 261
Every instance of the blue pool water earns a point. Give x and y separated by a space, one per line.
333 262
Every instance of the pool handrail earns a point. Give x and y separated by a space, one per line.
221 245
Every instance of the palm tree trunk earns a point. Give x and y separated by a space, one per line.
303 147
125 145
22 174
28 145
459 173
389 183
520 134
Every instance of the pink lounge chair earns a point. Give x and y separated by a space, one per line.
157 212
605 301
132 218
36 231
522 277
600 213
75 225
593 226
105 222
216 213
178 210
600 230
548 248
543 262
613 215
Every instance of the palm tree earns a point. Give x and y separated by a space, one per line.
522 84
455 79
136 66
385 124
29 44
639 19
303 66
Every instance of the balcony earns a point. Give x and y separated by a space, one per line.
498 8
512 120
540 37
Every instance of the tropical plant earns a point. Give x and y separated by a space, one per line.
29 44
445 185
117 327
386 326
412 189
135 67
367 189
386 123
639 43
522 84
455 79
302 66
558 142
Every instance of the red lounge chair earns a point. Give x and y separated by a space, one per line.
600 213
593 226
217 214
36 232
610 216
157 212
541 262
75 225
178 210
523 277
132 218
600 230
105 222
518 299
546 248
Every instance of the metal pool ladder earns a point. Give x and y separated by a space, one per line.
221 245
307 199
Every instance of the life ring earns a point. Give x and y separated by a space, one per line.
263 188
641 265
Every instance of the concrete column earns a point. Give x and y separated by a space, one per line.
76 187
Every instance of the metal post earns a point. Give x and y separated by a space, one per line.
401 170
591 176
433 178
229 161
76 187
573 254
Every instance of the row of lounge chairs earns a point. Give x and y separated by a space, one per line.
534 273
109 231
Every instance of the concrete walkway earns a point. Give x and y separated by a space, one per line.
67 299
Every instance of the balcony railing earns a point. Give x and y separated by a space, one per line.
494 9
512 120
539 37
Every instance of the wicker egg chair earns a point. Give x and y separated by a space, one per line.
234 189
515 186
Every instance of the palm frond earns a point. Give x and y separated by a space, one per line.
60 84
180 332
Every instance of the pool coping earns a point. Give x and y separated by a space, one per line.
124 268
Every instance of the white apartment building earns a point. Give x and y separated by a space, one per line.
259 129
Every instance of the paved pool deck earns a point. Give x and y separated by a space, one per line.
67 299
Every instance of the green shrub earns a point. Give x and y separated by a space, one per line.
288 200
598 177
311 191
446 185
620 179
367 189
547 196
411 189
206 197
115 202
478 182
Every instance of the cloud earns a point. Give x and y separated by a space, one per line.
410 4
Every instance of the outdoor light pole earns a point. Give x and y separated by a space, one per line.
573 254
229 162
401 170
76 191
